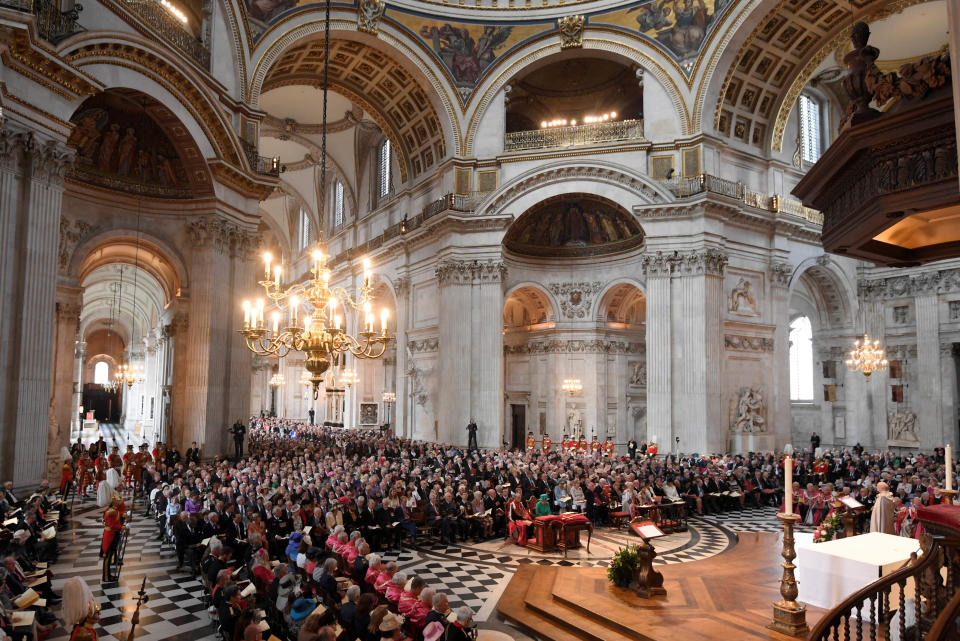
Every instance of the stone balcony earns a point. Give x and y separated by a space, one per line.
599 133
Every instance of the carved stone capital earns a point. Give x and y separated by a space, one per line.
571 31
658 265
402 286
20 151
68 311
424 345
466 272
780 273
927 283
711 262
213 232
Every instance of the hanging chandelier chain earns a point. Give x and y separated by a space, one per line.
326 86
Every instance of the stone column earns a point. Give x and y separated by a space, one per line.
31 189
658 269
62 409
927 399
778 400
178 330
79 362
486 386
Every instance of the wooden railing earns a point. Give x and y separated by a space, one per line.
596 133
912 603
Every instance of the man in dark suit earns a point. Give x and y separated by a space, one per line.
441 608
472 436
193 454
239 431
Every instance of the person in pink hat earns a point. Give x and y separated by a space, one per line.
433 632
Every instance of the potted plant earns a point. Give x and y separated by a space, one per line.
622 566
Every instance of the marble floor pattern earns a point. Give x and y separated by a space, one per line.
472 574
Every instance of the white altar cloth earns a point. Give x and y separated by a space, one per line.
829 572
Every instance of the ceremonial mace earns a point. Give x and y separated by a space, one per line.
142 598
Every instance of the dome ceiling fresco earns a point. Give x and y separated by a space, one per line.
468 48
573 225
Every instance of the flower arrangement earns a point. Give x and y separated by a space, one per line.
624 562
828 528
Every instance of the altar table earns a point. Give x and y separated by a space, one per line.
829 572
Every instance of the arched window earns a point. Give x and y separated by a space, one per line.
337 203
101 373
303 233
801 360
383 170
811 128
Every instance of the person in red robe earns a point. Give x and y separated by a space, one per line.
66 477
547 444
112 529
531 442
608 447
142 458
519 521
129 466
565 444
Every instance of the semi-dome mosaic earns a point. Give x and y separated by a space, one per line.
573 225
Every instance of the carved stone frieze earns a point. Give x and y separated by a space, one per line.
902 428
558 346
424 345
738 343
71 233
369 13
213 232
571 31
465 272
901 352
575 298
686 263
907 286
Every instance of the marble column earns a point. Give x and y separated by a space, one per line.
31 189
178 329
927 399
658 269
62 408
79 362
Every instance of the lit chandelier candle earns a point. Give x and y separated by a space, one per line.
318 335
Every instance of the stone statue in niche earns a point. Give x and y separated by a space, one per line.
638 374
742 300
902 426
574 422
750 411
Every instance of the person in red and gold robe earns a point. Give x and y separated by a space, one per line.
565 444
86 474
531 442
547 443
66 477
143 458
129 466
582 445
608 447
115 461
595 446
112 529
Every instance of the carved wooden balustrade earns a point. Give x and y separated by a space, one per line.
918 602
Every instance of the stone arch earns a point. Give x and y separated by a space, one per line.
618 301
137 63
119 246
535 299
772 54
410 118
819 280
596 177
632 50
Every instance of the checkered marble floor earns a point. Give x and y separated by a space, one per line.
470 574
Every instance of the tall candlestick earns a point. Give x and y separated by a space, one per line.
948 460
788 485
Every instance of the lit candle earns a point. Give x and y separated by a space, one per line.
948 459
276 275
336 321
246 314
788 485
259 312
294 303
276 323
317 258
366 272
266 259
332 304
306 325
383 320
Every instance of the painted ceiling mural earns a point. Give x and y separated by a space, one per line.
573 225
467 48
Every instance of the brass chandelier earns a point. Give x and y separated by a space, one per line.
319 335
129 374
867 357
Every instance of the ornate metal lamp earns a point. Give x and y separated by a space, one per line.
572 386
867 357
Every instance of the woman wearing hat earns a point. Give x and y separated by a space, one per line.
543 505
390 627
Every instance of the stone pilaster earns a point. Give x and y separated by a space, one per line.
779 399
62 409
401 412
658 269
927 399
31 189
471 298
